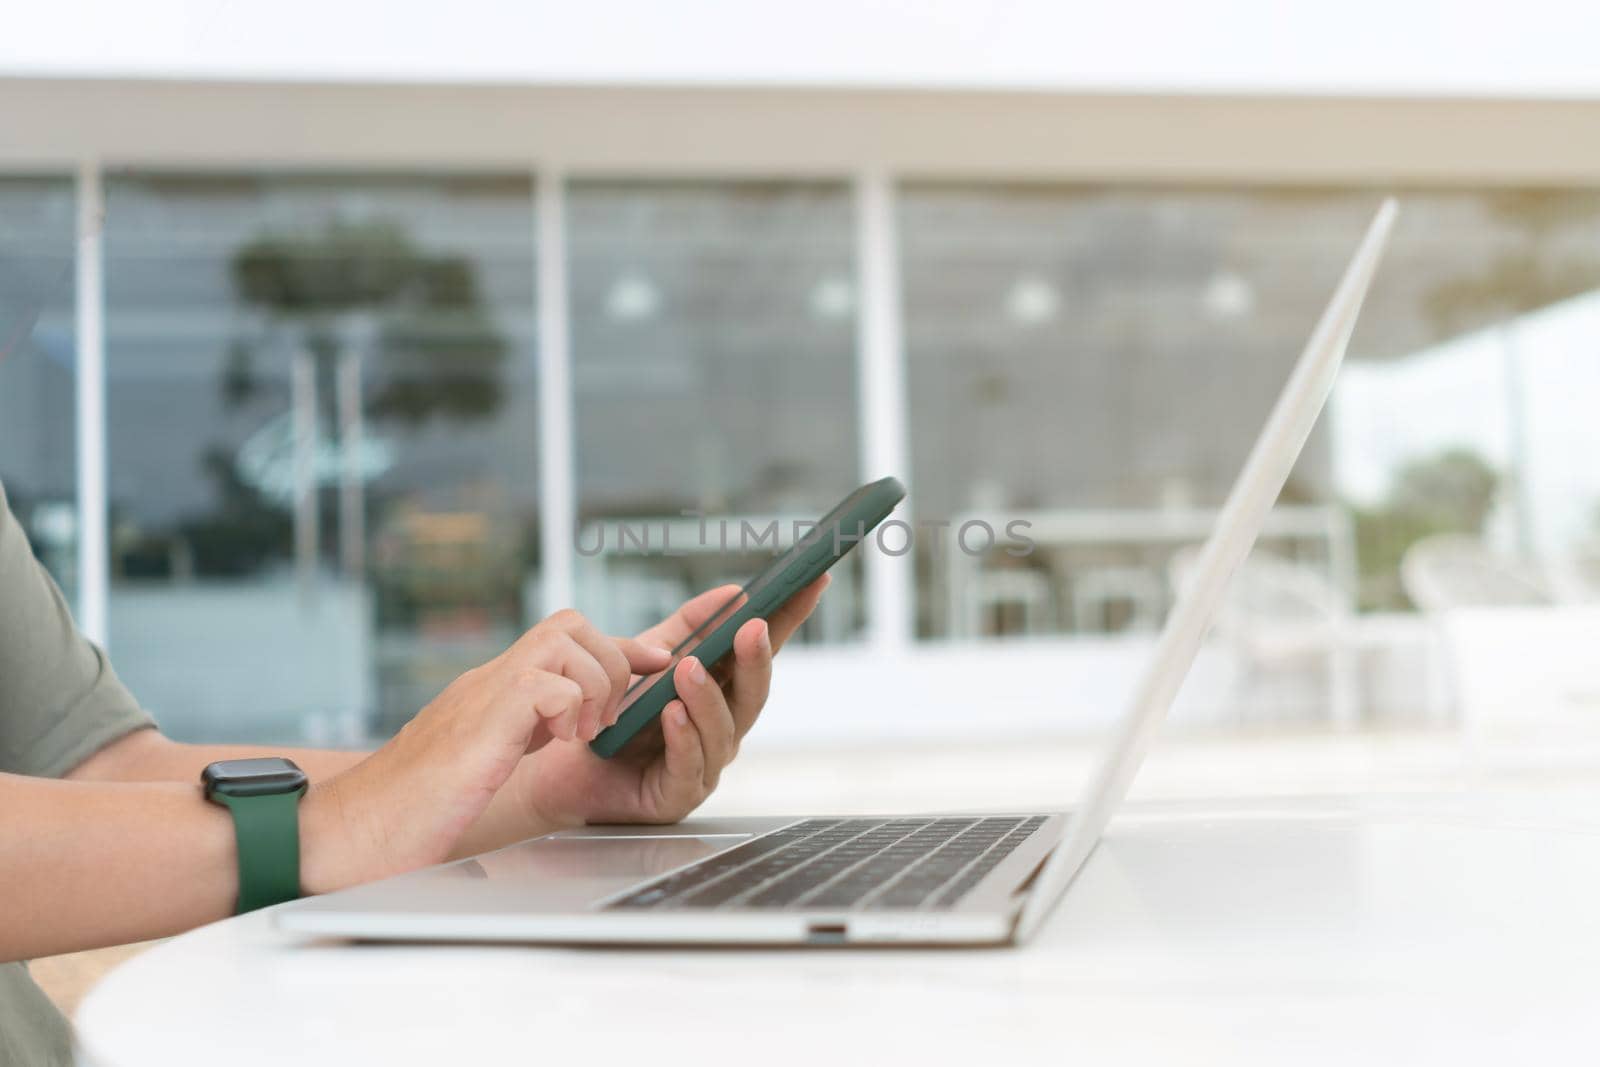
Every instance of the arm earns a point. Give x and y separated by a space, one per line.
147 756
89 864
92 862
561 785
499 756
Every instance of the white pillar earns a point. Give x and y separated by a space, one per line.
882 399
557 488
89 331
352 480
307 524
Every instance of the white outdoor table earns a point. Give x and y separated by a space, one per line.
1434 928
1053 529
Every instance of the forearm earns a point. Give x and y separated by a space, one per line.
147 756
89 864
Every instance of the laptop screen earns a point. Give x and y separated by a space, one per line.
1258 485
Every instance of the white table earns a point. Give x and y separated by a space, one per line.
1057 529
1434 928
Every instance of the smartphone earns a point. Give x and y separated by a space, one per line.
834 535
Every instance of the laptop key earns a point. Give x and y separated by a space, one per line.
844 863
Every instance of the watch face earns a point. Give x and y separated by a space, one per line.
267 776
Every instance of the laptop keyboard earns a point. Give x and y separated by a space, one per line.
844 863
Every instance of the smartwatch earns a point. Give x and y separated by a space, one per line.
263 796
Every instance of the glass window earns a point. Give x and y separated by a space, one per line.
1097 361
322 432
37 367
713 333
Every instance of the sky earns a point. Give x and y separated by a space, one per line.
1527 387
1408 47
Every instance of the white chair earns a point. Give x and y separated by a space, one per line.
1450 571
1283 622
1024 592
1518 662
1574 578
1097 591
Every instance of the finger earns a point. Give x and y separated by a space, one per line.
531 698
787 619
558 650
692 615
542 735
752 675
551 646
611 660
644 661
708 709
682 782
643 658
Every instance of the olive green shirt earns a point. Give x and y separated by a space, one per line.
60 702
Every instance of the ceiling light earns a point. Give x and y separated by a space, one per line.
1228 296
1032 301
832 298
633 297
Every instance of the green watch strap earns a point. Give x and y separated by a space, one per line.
267 829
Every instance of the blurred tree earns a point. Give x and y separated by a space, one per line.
442 337
416 321
439 352
1452 492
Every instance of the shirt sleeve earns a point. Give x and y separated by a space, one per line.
60 701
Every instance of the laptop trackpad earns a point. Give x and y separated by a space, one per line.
625 859
547 875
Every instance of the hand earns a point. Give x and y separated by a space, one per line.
666 771
409 803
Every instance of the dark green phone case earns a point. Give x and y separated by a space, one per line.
835 535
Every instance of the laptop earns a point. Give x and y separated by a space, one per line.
907 880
